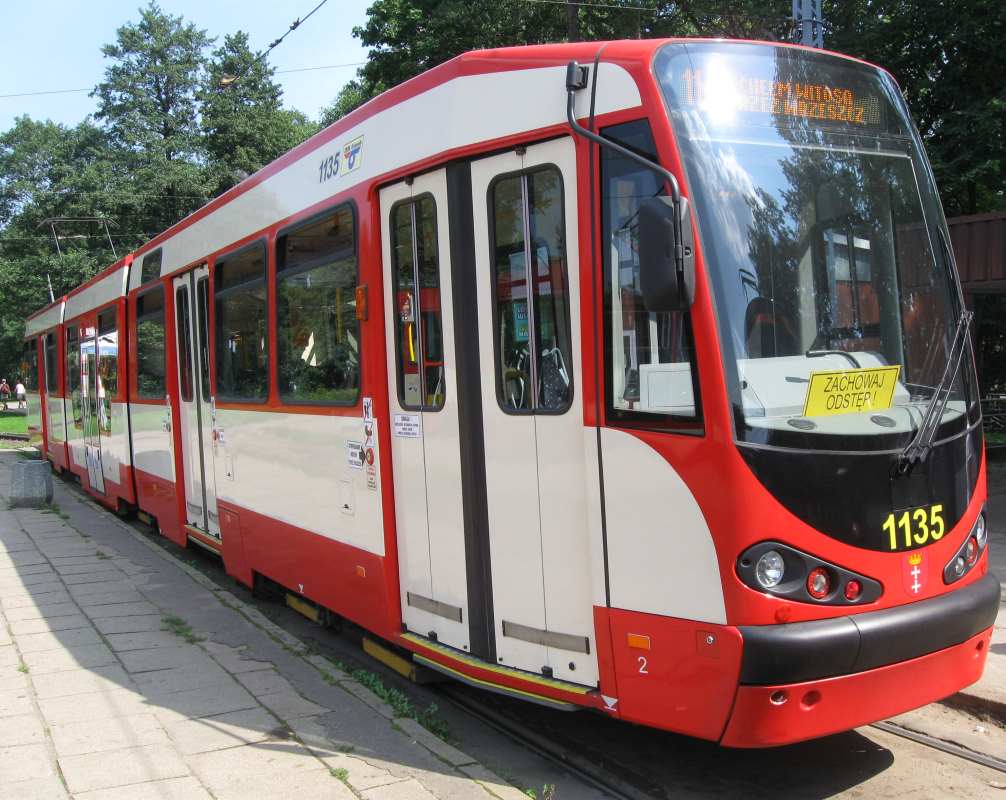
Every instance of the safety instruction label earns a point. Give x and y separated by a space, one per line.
851 390
407 426
354 455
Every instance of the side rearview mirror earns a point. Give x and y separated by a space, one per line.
666 265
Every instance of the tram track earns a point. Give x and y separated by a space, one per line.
942 745
584 769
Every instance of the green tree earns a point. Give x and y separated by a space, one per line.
350 97
148 104
243 122
949 60
407 37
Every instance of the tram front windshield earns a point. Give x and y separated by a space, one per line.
824 241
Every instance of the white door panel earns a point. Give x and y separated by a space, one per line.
195 407
535 471
429 522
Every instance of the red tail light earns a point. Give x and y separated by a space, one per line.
818 583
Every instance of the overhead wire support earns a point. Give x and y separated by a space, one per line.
51 223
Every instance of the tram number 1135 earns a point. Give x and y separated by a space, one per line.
915 527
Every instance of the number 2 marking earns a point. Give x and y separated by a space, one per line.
642 666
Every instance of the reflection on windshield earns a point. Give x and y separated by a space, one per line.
815 234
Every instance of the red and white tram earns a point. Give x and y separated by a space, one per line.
661 404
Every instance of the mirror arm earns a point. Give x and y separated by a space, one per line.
576 79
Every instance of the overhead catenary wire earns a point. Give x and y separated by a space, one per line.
228 80
592 4
277 72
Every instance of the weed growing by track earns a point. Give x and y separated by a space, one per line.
179 627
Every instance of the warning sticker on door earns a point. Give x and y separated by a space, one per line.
407 426
354 455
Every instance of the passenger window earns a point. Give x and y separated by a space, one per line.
184 343
73 376
203 309
418 328
532 333
29 365
317 333
51 370
151 268
150 382
108 366
242 345
650 377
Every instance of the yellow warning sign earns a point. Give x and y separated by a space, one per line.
850 390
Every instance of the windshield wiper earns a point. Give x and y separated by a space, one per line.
843 353
917 449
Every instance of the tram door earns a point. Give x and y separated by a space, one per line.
423 400
92 407
525 226
196 409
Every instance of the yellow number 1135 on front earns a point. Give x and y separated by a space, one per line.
915 527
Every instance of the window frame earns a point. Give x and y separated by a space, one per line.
283 232
491 219
625 418
137 319
184 344
221 261
399 377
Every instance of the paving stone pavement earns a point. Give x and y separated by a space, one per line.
102 699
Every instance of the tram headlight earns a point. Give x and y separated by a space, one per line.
770 569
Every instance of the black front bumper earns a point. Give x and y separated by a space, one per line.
806 651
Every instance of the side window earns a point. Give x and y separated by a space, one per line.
203 309
317 333
242 343
184 343
29 365
73 375
108 365
151 268
419 333
51 365
150 344
532 328
650 375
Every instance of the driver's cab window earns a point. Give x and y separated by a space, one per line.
651 380
531 292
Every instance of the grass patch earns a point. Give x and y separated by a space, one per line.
180 628
402 705
13 422
105 557
22 667
346 748
547 792
340 772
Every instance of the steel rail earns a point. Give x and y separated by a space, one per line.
572 762
939 744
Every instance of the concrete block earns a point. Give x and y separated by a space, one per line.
30 484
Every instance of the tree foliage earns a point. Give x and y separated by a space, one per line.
244 123
166 137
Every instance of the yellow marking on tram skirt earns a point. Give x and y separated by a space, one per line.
309 610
